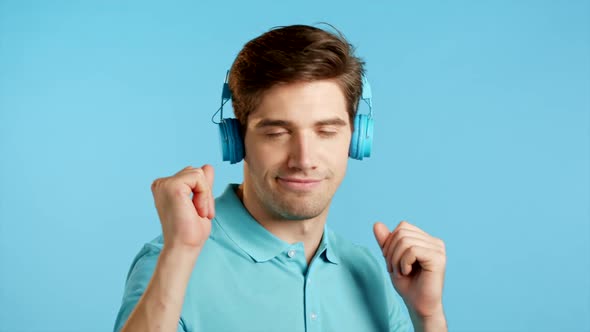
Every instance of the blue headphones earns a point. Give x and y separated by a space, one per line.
232 146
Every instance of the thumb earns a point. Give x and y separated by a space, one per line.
209 174
381 233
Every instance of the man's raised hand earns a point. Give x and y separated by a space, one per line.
185 206
416 263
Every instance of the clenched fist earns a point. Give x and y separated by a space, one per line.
416 263
185 206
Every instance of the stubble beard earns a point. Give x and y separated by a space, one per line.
293 205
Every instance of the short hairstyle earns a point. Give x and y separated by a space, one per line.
291 54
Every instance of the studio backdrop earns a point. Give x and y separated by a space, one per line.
482 138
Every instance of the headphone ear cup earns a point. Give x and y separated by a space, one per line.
362 137
232 146
352 151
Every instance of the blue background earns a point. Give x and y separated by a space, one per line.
482 139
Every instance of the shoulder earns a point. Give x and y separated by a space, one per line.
147 254
142 267
140 272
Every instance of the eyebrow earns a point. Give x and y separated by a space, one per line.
272 123
283 123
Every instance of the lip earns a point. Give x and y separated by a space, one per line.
298 184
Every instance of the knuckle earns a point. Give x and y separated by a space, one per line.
198 173
170 185
403 241
397 234
155 184
392 261
439 243
441 261
412 250
442 244
176 191
184 170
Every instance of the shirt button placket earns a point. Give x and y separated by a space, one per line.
291 253
312 305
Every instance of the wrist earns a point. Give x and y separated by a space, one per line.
434 321
172 274
180 252
176 263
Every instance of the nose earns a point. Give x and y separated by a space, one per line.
302 152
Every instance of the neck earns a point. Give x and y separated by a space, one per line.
308 231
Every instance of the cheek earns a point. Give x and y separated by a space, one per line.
337 155
341 162
343 145
261 157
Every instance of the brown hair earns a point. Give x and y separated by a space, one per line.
296 53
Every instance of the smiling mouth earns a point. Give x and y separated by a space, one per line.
298 184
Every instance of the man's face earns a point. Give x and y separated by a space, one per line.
297 144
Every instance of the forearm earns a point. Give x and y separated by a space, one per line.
160 306
434 323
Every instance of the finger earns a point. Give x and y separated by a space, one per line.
395 236
383 237
201 204
210 204
195 179
386 249
401 232
392 240
381 233
406 225
400 247
388 246
184 170
404 228
425 257
210 175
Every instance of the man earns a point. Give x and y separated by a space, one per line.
261 257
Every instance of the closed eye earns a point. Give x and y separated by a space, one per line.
327 133
276 134
328 130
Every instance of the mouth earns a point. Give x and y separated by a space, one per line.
298 184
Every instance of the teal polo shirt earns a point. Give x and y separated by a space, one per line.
247 279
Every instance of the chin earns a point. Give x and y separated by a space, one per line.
299 206
297 213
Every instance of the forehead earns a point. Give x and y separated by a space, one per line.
302 103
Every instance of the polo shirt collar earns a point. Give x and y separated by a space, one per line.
327 246
253 238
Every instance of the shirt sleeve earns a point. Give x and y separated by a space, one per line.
399 319
138 277
394 317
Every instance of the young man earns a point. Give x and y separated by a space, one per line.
261 257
